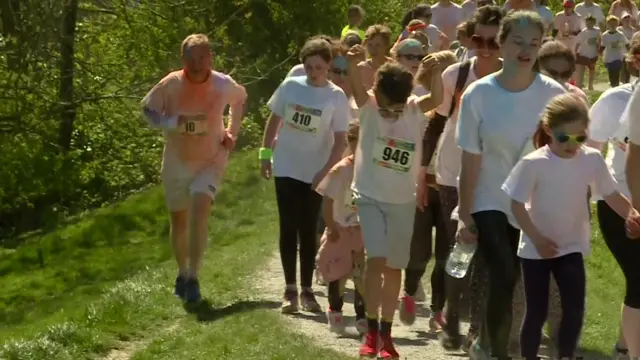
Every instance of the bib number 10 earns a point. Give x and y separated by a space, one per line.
301 119
190 126
396 155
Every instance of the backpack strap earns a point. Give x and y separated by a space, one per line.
463 74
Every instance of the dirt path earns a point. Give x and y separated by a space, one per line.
415 342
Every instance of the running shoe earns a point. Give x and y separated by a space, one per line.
290 302
436 321
388 351
478 353
309 302
180 287
407 310
362 326
336 322
369 347
192 293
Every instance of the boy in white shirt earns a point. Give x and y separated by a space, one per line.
387 169
587 51
613 44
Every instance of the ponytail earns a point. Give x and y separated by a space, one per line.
408 16
540 137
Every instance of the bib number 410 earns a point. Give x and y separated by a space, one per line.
301 119
396 155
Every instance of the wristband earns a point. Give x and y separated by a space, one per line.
265 154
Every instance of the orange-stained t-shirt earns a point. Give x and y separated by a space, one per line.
197 141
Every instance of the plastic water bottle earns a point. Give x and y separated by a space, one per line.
460 259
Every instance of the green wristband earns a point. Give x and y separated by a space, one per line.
472 228
265 154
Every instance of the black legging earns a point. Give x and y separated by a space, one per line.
422 250
298 208
626 251
569 273
498 244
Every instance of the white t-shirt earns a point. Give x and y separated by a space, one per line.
499 124
587 42
547 16
628 32
297 70
605 126
566 26
337 186
389 153
469 8
594 10
555 190
614 46
310 117
448 153
631 118
447 18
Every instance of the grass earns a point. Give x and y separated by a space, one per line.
107 280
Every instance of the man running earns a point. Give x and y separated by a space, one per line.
188 106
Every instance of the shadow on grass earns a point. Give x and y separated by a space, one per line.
206 312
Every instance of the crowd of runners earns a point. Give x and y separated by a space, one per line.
375 143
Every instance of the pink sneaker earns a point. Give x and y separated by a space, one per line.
407 310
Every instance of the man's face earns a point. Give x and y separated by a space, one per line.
197 59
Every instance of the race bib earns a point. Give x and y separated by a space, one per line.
394 154
303 118
194 124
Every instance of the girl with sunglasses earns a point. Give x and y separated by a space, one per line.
498 116
310 114
606 128
547 189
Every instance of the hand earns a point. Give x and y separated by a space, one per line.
546 247
228 141
356 54
467 232
265 169
427 67
632 225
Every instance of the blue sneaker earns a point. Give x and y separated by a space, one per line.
192 293
180 288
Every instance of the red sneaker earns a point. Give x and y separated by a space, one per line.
388 351
369 347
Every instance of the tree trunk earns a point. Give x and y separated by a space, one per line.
65 94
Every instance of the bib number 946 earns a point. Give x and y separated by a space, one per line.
396 155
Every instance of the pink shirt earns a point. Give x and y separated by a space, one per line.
197 142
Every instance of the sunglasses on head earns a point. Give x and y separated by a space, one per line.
412 57
559 74
480 43
340 72
563 137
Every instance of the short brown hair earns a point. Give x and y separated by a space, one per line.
355 9
316 47
555 49
562 109
394 81
379 30
194 40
